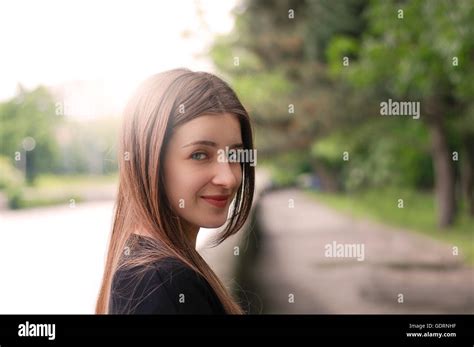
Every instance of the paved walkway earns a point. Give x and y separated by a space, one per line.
400 271
52 258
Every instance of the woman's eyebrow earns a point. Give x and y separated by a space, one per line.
211 144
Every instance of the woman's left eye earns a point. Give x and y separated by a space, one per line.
198 156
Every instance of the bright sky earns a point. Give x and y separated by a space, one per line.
96 52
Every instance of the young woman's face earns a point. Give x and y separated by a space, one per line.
199 184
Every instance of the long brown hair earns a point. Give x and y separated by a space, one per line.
149 119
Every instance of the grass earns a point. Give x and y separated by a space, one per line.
61 182
418 214
60 189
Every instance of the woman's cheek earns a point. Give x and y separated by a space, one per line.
188 186
238 175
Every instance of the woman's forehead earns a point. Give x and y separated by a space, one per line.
224 127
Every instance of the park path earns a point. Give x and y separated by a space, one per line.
401 272
52 258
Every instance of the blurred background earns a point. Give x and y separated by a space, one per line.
333 169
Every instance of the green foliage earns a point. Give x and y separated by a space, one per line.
9 175
11 182
379 154
286 167
224 54
329 152
339 48
282 63
414 55
403 50
30 114
327 20
62 144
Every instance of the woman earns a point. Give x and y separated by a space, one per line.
172 184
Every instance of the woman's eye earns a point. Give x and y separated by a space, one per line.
198 156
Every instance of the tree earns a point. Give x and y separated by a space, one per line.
282 72
421 51
27 124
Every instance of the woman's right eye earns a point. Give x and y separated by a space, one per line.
198 156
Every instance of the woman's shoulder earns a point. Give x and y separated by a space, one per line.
165 286
165 272
166 266
171 272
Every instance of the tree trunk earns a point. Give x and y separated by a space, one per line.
327 178
444 174
467 173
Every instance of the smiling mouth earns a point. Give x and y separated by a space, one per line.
216 200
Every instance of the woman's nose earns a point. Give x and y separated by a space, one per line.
226 174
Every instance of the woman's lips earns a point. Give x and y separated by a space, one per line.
216 200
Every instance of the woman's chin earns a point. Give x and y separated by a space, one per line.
214 224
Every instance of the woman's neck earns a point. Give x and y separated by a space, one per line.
191 232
